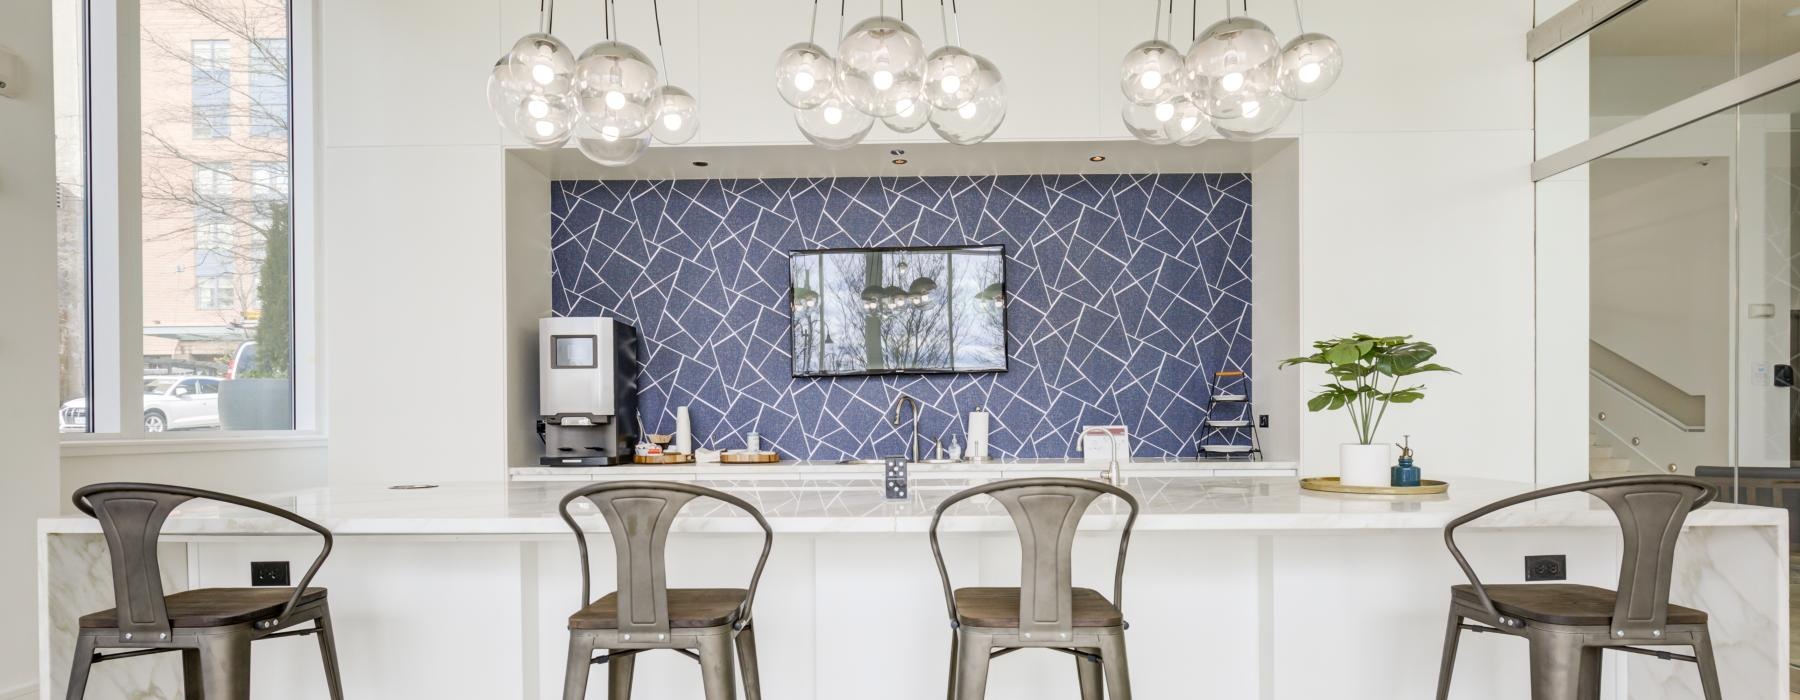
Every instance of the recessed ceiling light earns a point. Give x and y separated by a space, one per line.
1096 159
899 161
897 152
701 163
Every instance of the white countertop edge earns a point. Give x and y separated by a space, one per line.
796 468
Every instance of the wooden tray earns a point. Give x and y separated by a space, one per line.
749 459
664 458
1330 484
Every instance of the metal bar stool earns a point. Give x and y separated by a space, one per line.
211 627
644 614
1569 625
1045 611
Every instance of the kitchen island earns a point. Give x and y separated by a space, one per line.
1236 587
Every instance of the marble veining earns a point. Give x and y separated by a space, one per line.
1127 292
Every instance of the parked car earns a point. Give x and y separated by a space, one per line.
170 403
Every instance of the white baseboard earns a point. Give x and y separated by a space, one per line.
23 692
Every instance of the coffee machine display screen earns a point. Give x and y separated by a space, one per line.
576 352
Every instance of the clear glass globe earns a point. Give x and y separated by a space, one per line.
950 77
1230 50
614 83
1225 99
805 75
1152 72
1258 118
1186 122
912 117
1149 123
540 63
503 98
834 124
611 152
1310 64
677 115
880 61
981 116
547 121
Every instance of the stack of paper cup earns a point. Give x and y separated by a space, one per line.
684 431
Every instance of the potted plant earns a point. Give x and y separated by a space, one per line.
1360 366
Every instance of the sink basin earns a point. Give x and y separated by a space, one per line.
884 461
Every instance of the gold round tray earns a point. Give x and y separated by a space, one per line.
1331 484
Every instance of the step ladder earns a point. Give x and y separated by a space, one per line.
1228 430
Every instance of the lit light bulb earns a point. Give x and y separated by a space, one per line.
1309 72
833 114
615 100
1188 122
672 121
537 108
545 128
610 133
968 111
950 83
1232 82
542 74
1164 111
1150 80
882 79
804 82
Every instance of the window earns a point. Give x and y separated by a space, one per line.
71 217
211 63
269 88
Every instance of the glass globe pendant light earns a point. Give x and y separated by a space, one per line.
1186 121
677 115
531 88
1230 51
1310 64
880 62
539 63
1149 123
611 151
950 80
981 116
1256 118
805 75
834 124
1153 72
914 112
615 82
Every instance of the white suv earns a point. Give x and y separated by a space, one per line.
170 403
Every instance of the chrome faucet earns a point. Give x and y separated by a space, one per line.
895 419
1112 453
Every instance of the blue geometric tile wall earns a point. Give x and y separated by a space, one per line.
1126 293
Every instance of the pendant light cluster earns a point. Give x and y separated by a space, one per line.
611 100
1236 80
881 72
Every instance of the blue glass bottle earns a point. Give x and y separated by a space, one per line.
1405 474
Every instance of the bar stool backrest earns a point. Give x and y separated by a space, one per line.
1047 512
1651 510
131 516
639 515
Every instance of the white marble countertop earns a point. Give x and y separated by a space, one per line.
993 468
834 505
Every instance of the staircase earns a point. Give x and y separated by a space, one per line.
1602 463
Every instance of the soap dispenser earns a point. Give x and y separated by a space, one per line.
1405 474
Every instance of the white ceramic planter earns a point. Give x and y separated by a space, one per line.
1365 465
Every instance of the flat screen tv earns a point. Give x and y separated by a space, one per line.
870 311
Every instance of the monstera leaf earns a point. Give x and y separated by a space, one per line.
1357 366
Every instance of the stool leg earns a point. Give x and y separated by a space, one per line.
972 651
575 675
1452 637
1118 673
225 666
619 672
1089 672
190 675
746 649
1593 662
82 664
334 680
715 667
951 693
1709 667
1556 665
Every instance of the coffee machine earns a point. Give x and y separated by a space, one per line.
587 391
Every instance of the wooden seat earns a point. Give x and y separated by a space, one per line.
1563 603
999 607
216 607
689 608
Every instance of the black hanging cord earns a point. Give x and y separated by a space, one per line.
1194 21
656 12
607 18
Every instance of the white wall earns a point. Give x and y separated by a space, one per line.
1416 216
27 334
1275 300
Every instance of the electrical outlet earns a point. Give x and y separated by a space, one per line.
269 573
1547 567
1262 421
